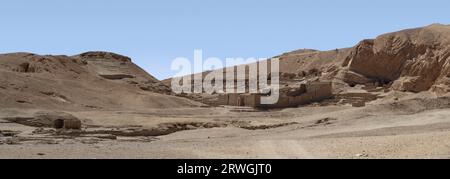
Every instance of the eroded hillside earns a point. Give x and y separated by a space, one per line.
93 80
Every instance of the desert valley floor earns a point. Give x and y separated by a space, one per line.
410 128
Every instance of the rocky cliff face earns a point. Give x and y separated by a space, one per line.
412 60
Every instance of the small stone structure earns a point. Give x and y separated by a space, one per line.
305 94
67 124
58 120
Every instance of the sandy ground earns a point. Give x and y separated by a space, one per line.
404 129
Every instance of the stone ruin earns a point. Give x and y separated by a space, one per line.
57 120
289 97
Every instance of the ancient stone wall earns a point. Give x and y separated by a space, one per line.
315 92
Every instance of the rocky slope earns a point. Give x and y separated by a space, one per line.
89 81
412 60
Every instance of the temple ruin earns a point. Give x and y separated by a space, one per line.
289 97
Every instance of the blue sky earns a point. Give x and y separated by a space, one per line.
154 32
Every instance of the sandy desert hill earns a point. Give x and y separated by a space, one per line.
93 80
101 105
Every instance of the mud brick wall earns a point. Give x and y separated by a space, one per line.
252 100
233 99
223 99
315 92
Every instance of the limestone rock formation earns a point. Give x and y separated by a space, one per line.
412 60
113 66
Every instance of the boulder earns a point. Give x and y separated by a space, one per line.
297 91
353 78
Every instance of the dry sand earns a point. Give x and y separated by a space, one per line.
375 131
